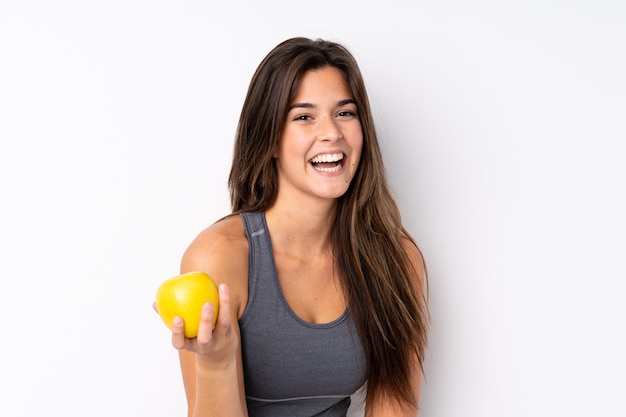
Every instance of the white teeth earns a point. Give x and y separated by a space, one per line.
328 158
333 169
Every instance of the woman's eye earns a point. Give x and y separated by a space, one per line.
303 117
346 113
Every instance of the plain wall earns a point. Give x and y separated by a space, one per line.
502 126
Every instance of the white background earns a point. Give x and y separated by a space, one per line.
502 126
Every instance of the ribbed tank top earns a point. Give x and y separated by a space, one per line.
292 368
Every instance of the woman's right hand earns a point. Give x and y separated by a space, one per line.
214 347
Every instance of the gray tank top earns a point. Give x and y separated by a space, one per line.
292 368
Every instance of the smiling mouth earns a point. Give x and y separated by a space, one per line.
328 162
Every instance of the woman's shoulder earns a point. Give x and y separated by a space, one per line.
224 236
221 250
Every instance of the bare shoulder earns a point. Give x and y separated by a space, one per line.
221 250
225 237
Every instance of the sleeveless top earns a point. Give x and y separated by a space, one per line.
292 368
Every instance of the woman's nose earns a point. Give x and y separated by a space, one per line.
329 130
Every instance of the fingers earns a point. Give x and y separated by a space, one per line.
205 330
154 307
178 333
223 318
207 335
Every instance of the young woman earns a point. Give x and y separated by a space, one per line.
321 287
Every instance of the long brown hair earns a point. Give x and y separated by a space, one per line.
387 304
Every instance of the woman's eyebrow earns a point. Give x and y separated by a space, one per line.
301 105
347 101
311 106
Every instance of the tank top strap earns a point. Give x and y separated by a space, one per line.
261 259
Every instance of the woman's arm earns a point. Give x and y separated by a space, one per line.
211 363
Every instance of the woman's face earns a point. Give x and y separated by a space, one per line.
320 145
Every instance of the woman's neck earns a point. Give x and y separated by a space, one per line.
299 229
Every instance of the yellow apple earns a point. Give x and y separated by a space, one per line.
183 296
